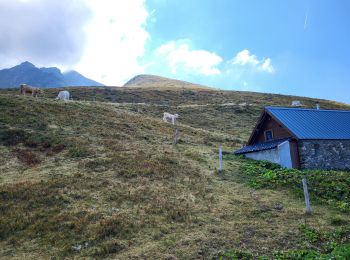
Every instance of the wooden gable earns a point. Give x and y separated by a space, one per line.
268 123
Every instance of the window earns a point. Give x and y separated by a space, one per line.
268 135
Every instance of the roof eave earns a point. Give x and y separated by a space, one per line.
256 151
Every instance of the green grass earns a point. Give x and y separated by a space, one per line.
94 180
325 188
328 187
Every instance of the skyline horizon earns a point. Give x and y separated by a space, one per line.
296 48
176 79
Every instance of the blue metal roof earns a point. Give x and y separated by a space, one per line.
260 147
313 123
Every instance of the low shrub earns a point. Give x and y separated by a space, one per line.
98 165
338 221
339 252
24 206
331 187
46 141
57 149
27 157
119 225
78 151
236 254
109 247
11 137
315 245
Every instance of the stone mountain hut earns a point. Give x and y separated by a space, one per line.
301 138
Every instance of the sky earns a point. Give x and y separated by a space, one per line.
296 47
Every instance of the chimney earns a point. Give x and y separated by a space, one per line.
318 106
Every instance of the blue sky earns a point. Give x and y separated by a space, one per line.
307 42
290 47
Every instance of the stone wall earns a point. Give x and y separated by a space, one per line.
324 154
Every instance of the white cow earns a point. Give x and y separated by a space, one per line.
167 117
63 95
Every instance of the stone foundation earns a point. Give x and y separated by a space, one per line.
324 154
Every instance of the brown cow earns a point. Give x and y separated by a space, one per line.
24 88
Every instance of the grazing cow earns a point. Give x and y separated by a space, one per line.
63 95
167 117
24 88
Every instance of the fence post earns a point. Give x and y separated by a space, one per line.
220 160
306 195
176 136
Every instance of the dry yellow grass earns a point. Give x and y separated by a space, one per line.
120 189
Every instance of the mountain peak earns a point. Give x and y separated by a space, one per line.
153 81
144 78
27 64
28 73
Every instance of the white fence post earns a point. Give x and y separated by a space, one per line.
220 160
306 195
176 136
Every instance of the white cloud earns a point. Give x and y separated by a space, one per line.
267 66
116 38
244 58
103 40
46 33
179 56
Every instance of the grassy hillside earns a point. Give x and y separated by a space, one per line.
228 112
103 179
156 82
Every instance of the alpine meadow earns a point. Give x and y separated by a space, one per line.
100 176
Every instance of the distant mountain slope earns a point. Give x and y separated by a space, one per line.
152 81
74 78
27 73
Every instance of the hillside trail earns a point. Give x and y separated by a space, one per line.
217 105
184 106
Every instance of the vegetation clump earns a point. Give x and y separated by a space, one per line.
331 187
10 137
